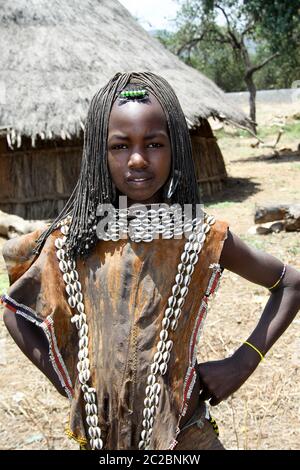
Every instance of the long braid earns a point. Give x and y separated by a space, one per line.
95 185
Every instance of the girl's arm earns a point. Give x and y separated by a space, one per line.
33 343
221 378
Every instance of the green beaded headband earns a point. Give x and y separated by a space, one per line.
133 94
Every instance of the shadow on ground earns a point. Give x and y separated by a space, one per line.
274 157
235 190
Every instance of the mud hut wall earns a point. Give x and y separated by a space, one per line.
209 163
35 184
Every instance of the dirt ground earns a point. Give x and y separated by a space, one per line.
265 412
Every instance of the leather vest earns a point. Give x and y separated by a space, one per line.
125 286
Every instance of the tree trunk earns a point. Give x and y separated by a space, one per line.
252 99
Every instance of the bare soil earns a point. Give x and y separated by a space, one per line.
265 412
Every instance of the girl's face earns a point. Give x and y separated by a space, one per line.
139 150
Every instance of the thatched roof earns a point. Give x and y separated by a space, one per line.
56 54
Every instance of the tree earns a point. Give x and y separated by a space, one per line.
199 23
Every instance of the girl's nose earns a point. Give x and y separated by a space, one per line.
137 160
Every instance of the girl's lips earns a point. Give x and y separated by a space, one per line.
139 181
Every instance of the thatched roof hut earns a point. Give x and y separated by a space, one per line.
54 56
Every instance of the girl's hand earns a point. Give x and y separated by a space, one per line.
219 379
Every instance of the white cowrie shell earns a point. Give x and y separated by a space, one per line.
161 346
151 421
74 276
184 257
98 443
69 289
67 278
156 389
86 375
197 247
85 364
192 237
163 335
144 434
63 266
146 413
174 325
71 264
210 220
97 432
201 238
153 409
181 268
154 368
166 356
88 409
177 313
157 356
190 269
178 278
93 409
205 228
75 318
194 258
175 289
80 308
64 230
147 402
149 391
79 323
180 302
151 379
93 420
61 254
142 445
165 323
92 432
83 342
171 301
146 424
79 297
82 378
59 243
77 286
163 368
184 291
169 345
169 312
85 352
72 301
188 247
89 397
83 330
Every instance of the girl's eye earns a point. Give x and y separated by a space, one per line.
119 147
155 145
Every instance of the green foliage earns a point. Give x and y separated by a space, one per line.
213 49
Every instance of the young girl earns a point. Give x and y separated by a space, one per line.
120 317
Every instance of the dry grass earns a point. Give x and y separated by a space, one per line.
265 412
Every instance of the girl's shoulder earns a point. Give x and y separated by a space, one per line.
19 255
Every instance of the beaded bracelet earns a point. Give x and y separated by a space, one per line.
255 349
281 276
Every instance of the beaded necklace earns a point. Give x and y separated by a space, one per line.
159 364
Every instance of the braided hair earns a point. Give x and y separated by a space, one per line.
95 184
